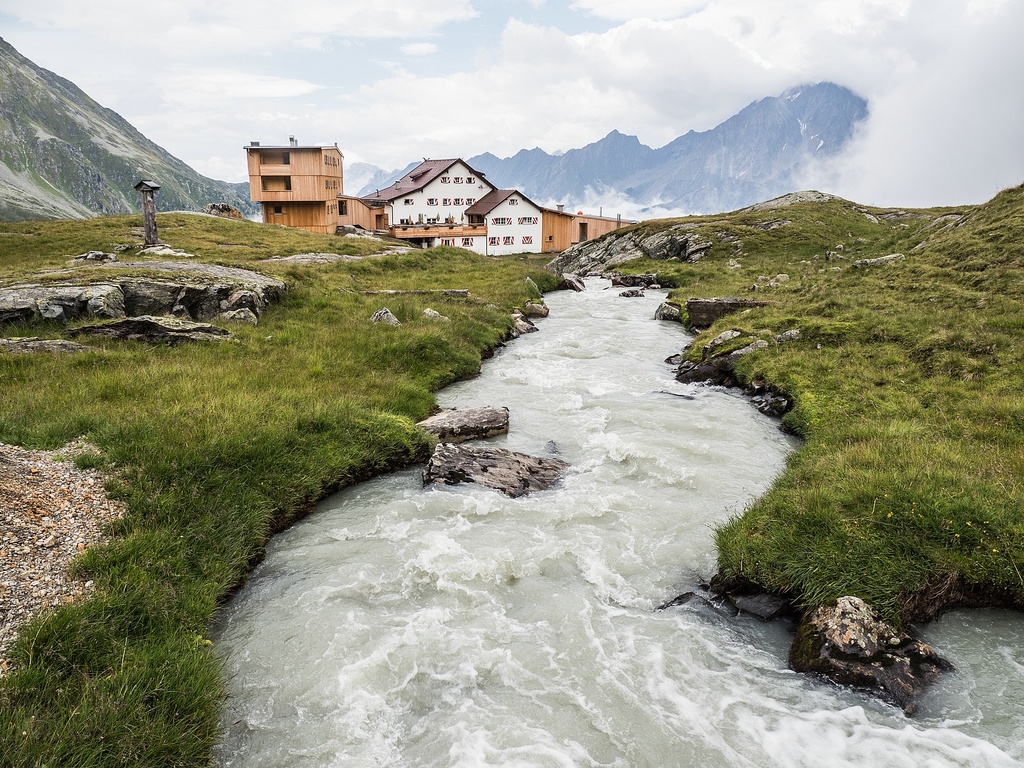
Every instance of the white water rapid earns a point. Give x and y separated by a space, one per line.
399 626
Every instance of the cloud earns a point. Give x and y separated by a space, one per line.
419 49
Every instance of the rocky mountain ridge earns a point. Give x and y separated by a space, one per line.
761 152
63 155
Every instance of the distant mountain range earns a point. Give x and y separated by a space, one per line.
761 152
62 155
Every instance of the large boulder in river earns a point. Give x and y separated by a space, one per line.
456 425
849 644
514 474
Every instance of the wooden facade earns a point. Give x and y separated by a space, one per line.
356 212
298 186
588 227
557 227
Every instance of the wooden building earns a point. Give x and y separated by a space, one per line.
588 227
298 186
557 229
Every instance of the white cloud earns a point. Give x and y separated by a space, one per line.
616 10
419 49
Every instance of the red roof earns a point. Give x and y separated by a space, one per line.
419 177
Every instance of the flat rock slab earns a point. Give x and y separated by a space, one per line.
33 345
155 330
704 312
456 425
514 474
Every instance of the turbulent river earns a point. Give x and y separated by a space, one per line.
399 626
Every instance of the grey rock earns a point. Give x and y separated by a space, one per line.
95 256
154 330
34 302
635 281
533 309
222 210
534 288
720 339
677 243
384 315
704 312
793 334
879 262
514 474
522 324
28 345
633 293
244 315
571 283
456 425
670 312
433 314
762 605
849 644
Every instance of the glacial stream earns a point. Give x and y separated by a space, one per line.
399 626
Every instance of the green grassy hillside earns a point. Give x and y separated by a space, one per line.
216 447
908 491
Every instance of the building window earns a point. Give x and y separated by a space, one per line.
467 242
501 221
431 201
343 207
286 158
446 179
447 241
513 201
277 210
458 179
459 201
551 238
470 180
527 239
277 183
527 219
492 240
470 200
409 201
446 201
509 241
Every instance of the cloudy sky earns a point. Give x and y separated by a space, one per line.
393 82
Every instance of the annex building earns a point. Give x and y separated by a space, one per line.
439 202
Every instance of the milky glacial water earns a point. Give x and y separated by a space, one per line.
399 626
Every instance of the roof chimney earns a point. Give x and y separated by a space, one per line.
292 141
254 143
561 207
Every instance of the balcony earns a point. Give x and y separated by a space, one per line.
423 231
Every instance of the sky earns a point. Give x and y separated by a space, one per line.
394 82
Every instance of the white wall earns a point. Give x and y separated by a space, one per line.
525 238
442 191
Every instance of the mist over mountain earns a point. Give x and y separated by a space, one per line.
761 152
62 155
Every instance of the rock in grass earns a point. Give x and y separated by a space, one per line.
514 474
33 344
384 315
879 262
433 314
849 644
456 425
154 330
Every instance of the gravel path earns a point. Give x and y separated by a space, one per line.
49 513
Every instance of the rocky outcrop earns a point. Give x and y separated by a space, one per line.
514 474
632 293
223 211
535 309
704 312
716 368
154 330
456 425
881 261
847 643
191 291
677 243
636 281
522 324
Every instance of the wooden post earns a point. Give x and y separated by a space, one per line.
148 190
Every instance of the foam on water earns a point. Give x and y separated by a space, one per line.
455 627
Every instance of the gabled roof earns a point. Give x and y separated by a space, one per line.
493 199
419 177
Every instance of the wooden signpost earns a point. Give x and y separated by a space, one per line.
148 189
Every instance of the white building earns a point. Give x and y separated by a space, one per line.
513 222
